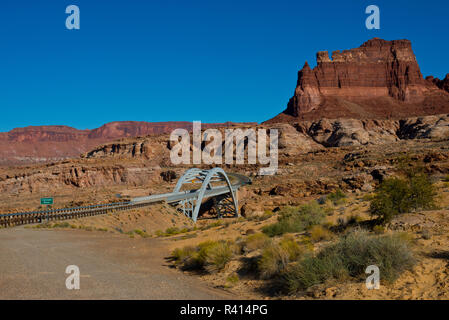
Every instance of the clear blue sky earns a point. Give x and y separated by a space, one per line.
214 61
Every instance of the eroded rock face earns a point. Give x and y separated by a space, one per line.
430 127
379 80
350 132
442 84
355 132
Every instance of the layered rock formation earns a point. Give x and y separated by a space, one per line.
379 80
53 143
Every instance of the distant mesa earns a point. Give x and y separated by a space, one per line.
379 80
35 144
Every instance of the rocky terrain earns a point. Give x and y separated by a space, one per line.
37 144
309 152
379 80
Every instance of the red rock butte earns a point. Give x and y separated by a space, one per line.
379 80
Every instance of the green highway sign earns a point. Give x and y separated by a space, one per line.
47 201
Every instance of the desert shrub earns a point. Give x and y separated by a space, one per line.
213 225
349 257
275 257
422 192
61 225
318 233
256 241
215 255
291 247
396 195
272 261
186 257
141 233
171 231
311 271
337 197
293 219
233 278
211 256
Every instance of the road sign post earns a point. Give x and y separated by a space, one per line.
48 202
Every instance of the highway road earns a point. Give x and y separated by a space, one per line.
33 264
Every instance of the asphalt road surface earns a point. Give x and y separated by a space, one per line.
33 264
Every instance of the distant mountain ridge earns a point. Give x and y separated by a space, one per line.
52 143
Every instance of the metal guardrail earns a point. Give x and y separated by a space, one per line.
20 218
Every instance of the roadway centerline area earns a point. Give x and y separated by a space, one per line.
33 264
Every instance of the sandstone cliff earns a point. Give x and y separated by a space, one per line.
379 80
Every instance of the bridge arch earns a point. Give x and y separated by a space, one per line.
207 177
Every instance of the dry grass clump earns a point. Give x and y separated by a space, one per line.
275 257
209 256
319 233
173 231
256 241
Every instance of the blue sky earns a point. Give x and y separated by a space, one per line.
186 60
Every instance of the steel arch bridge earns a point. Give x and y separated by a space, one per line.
224 197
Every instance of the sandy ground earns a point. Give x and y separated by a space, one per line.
33 264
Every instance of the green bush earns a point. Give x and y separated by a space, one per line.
293 219
349 257
396 195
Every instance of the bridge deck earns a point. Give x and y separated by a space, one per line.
20 218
